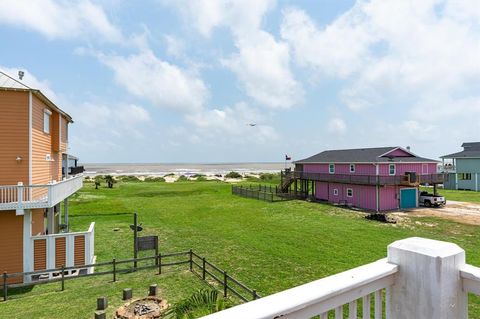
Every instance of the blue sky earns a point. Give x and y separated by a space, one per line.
179 80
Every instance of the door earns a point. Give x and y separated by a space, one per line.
408 198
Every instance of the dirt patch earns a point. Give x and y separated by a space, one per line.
462 212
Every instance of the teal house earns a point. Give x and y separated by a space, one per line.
464 170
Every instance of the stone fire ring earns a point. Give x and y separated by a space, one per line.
155 306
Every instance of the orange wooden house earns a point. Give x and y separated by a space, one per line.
34 190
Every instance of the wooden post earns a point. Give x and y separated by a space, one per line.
114 263
254 295
135 246
63 277
191 259
203 268
5 287
159 264
428 283
225 284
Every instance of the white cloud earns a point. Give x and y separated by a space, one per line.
262 65
391 48
60 19
117 121
232 124
337 126
242 16
163 84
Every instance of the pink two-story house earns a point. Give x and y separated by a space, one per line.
379 179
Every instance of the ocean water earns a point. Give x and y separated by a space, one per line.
182 169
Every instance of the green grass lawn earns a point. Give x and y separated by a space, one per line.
268 246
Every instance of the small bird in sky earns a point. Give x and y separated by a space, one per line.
251 124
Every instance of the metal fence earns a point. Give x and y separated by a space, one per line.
227 282
267 193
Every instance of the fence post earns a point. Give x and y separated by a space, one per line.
225 284
5 287
63 277
254 295
429 272
114 264
159 264
203 269
191 259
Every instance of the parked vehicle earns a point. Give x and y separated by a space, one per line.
430 200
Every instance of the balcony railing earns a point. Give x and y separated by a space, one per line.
19 197
62 250
369 179
420 278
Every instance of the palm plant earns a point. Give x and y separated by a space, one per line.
110 181
201 303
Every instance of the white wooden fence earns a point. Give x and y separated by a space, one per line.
420 279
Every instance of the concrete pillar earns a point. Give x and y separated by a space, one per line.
50 221
428 283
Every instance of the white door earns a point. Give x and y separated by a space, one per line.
424 169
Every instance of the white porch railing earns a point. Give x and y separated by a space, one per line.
68 249
422 279
21 196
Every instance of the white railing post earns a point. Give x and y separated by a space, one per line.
428 284
19 210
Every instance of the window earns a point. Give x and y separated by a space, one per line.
349 192
464 176
391 169
335 192
352 168
331 168
46 121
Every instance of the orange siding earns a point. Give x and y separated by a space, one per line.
38 222
13 137
64 134
40 254
43 171
60 252
55 133
11 242
79 250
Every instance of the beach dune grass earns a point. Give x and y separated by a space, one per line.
268 246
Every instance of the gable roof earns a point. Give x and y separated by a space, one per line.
8 83
364 155
470 150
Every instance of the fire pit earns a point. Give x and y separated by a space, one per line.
144 308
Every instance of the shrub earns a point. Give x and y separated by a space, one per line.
110 181
182 178
201 178
169 175
233 175
151 179
201 303
128 178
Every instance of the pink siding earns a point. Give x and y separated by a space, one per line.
321 190
402 168
363 196
389 197
360 169
399 153
315 168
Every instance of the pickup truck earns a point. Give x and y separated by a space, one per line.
429 200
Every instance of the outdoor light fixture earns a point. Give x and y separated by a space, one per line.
21 74
18 159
